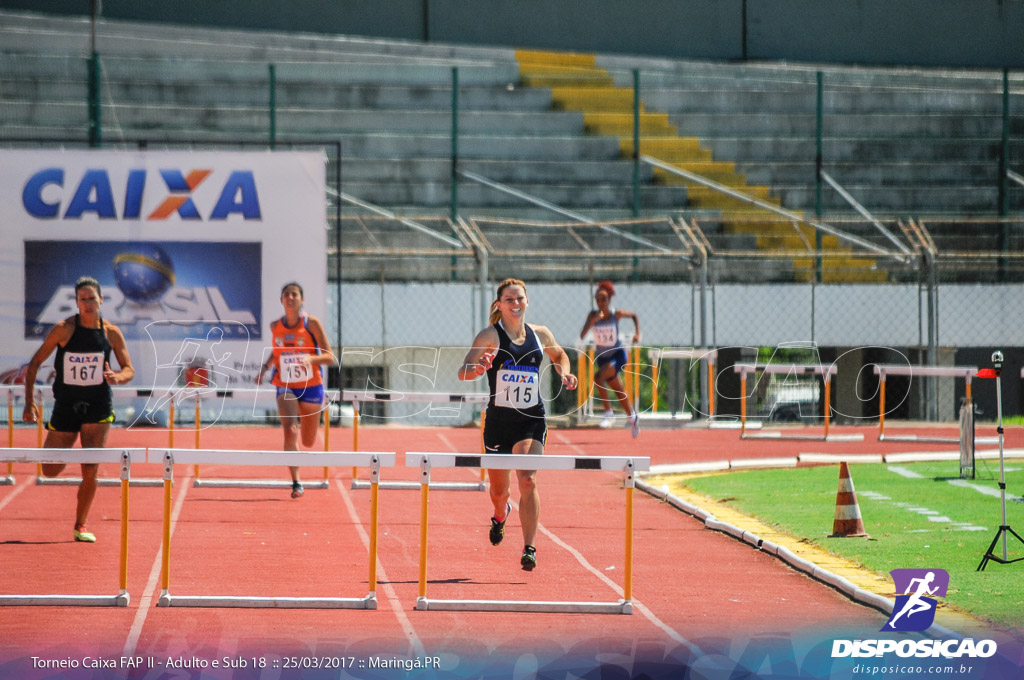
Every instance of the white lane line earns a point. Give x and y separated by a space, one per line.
154 575
640 607
904 472
12 495
382 577
988 491
565 440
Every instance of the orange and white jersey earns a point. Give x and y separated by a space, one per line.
290 344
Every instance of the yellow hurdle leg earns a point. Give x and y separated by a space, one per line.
828 403
636 378
199 419
374 485
424 498
711 388
39 425
124 525
654 389
355 437
483 449
627 587
881 407
327 439
165 578
581 375
743 403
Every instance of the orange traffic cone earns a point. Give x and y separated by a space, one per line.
848 521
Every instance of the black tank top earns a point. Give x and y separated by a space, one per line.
79 366
514 376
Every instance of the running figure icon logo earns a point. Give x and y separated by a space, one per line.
914 610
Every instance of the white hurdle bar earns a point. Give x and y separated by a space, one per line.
359 396
122 456
826 372
201 393
629 466
965 372
371 459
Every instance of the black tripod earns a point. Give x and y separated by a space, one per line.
1004 528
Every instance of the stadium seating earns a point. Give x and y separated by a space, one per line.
556 126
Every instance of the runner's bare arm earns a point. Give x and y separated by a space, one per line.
478 358
124 361
558 356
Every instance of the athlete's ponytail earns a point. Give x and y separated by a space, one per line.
495 311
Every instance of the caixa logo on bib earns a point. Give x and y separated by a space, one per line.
46 195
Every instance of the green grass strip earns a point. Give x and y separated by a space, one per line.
922 518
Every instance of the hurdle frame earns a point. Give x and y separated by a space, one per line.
357 396
117 455
198 481
826 372
372 459
965 372
708 356
100 481
8 479
628 465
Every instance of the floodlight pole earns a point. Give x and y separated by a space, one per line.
1004 528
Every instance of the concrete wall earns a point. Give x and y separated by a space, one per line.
977 33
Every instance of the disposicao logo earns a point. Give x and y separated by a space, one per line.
914 610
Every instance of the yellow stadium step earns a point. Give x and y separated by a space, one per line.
544 75
555 58
594 99
723 173
669 149
578 84
621 124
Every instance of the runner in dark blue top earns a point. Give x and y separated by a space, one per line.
81 391
610 356
510 352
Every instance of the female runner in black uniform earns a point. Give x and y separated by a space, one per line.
510 352
81 391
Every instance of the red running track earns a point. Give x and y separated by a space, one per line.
691 586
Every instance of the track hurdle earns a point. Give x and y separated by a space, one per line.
9 478
100 481
199 481
122 456
373 460
691 354
358 396
585 365
826 372
884 370
628 466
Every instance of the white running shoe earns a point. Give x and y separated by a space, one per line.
634 421
607 421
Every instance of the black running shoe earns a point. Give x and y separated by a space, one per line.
529 558
498 528
297 490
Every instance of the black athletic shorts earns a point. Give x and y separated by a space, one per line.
70 416
502 432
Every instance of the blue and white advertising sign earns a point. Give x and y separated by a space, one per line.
185 245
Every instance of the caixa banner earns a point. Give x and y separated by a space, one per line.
187 246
